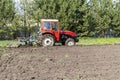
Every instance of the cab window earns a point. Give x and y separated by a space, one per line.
54 26
47 25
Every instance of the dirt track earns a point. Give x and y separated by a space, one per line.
61 63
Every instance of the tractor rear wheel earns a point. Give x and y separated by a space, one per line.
48 40
70 42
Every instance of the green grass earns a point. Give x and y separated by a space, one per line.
99 41
4 43
82 41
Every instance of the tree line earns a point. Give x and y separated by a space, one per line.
88 18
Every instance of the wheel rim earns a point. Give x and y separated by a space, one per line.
70 43
47 42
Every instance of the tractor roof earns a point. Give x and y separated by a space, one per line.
49 20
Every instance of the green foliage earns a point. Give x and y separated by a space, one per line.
100 18
7 13
88 18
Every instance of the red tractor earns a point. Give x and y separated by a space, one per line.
50 33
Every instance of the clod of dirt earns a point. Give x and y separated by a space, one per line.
32 78
52 60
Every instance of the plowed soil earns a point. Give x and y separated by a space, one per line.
61 63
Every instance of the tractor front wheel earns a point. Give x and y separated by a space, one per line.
47 40
70 42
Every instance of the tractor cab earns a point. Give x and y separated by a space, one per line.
51 26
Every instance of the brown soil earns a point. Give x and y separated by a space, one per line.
61 63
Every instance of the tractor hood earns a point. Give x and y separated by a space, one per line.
73 34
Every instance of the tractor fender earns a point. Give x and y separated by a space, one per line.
47 33
50 34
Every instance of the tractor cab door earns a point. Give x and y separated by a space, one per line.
56 31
